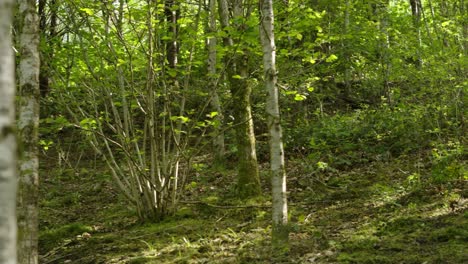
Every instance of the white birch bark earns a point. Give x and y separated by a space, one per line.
7 138
278 173
28 122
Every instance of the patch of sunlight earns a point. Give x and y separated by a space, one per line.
385 195
461 204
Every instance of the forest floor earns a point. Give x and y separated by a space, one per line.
370 213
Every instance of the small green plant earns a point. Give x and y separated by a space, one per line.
446 162
413 180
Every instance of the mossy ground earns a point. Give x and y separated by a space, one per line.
366 214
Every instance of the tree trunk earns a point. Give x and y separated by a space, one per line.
464 13
278 173
48 31
346 50
416 10
218 141
248 179
380 12
28 122
7 138
172 47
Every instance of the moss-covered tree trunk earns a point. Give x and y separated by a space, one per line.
28 122
248 182
278 173
7 138
237 69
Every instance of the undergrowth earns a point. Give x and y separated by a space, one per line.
372 187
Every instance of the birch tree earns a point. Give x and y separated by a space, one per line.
7 139
28 122
278 173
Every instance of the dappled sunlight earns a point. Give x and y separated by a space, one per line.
225 247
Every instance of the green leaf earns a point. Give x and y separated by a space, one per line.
299 97
299 36
183 119
88 11
310 60
172 73
322 165
88 123
331 58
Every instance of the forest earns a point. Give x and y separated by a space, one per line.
233 131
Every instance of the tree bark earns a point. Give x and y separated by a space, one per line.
416 10
28 122
7 138
464 13
172 46
248 183
278 172
218 141
48 31
380 12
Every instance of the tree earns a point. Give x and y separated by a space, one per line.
7 138
278 172
47 10
28 123
416 8
137 119
218 141
248 183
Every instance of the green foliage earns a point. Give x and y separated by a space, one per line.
368 134
447 162
360 84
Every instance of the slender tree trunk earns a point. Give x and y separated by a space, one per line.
172 46
464 13
278 172
28 122
380 12
248 179
7 138
346 51
44 72
48 31
218 141
416 10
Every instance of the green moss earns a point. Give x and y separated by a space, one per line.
450 233
53 237
364 258
139 260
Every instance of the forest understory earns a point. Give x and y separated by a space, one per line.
370 213
233 131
